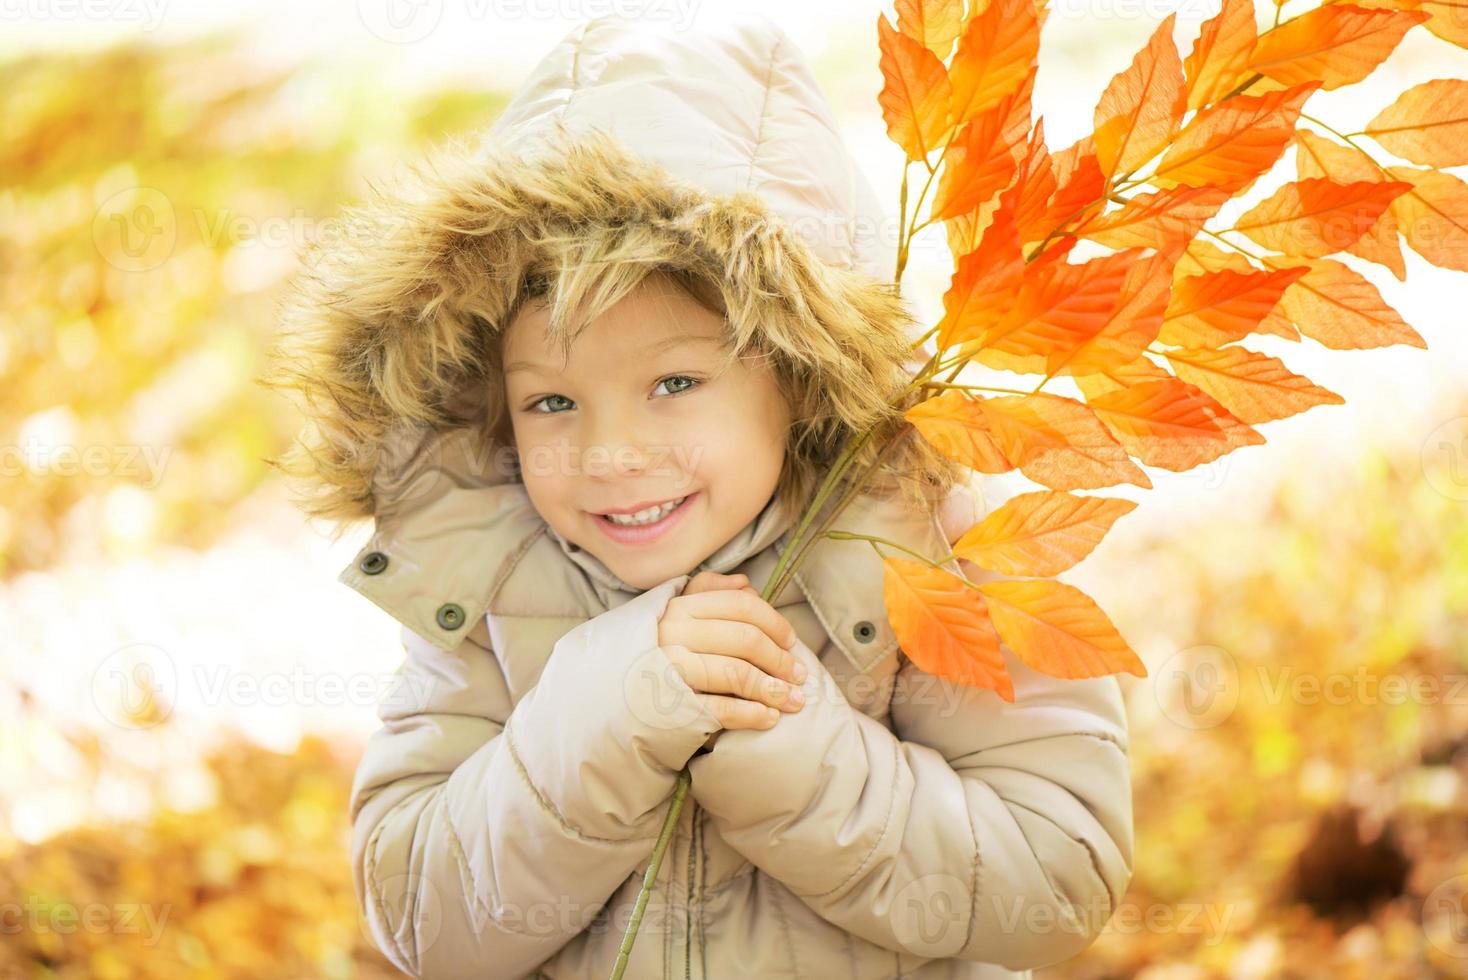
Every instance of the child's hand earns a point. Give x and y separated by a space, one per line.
732 647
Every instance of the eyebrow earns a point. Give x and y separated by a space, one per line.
651 350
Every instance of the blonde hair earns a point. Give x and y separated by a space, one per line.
400 323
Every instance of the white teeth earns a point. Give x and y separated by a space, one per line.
649 516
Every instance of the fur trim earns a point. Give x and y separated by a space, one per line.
389 334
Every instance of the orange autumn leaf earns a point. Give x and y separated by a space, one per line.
1318 216
1229 145
1057 629
1217 308
1078 184
1338 307
1034 187
943 626
1316 156
995 56
1171 424
915 92
1427 124
1159 219
1220 56
1056 308
1447 20
1201 257
957 428
965 232
1334 45
1139 112
1433 216
984 280
1133 323
978 163
932 23
1040 533
1135 372
1253 387
1058 442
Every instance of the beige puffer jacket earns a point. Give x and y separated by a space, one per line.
504 815
897 825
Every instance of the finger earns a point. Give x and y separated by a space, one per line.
747 606
717 674
733 638
739 713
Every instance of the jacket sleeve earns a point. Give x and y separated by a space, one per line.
975 828
483 838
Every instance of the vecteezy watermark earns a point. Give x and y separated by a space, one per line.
43 458
1200 687
931 914
466 451
655 691
137 686
147 13
1150 11
408 904
404 905
38 915
1210 476
1445 916
137 229
1445 458
407 21
599 461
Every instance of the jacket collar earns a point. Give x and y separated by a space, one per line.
436 560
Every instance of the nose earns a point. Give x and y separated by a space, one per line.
616 445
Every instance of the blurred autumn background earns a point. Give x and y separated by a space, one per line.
186 687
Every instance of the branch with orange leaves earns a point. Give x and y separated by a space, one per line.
957 82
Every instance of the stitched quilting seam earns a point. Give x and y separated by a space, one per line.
886 824
759 136
546 805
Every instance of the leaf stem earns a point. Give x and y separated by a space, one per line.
624 951
1349 142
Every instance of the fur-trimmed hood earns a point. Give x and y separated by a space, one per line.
712 151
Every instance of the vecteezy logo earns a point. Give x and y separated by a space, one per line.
1445 916
409 906
1445 458
135 229
400 21
657 695
135 686
928 915
1198 687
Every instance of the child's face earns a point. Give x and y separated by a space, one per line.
639 414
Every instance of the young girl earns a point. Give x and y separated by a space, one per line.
585 378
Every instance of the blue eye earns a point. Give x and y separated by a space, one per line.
535 406
682 377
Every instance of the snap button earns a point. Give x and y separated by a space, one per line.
450 615
865 631
373 562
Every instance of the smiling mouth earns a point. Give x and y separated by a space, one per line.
646 515
652 524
